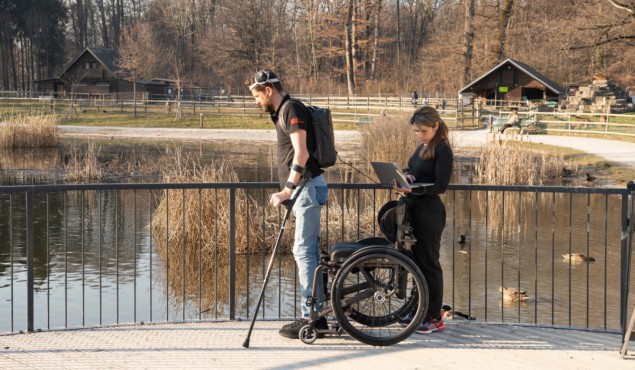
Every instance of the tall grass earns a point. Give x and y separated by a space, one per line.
83 165
30 131
513 163
178 215
388 139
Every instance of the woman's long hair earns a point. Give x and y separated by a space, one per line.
429 117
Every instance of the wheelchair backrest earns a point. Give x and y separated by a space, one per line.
393 223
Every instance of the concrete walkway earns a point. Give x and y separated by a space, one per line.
622 152
218 345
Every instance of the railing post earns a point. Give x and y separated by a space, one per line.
29 260
627 244
232 253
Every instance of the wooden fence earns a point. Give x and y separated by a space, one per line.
357 110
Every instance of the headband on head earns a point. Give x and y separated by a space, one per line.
262 78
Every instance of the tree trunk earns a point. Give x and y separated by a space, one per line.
354 47
503 21
312 22
398 36
350 73
373 68
468 39
104 24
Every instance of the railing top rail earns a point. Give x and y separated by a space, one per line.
270 185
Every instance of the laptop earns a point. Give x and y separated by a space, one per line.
388 171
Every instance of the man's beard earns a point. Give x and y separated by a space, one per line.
269 108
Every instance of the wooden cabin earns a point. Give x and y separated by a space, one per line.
512 80
94 73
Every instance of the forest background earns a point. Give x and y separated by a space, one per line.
365 47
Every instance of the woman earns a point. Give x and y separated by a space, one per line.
431 162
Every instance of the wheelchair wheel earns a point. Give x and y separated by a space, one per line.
369 300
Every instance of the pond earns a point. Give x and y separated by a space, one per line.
90 275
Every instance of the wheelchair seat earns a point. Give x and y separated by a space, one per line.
339 252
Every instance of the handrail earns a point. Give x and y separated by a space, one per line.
35 227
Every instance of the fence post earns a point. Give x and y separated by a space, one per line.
232 253
627 245
29 261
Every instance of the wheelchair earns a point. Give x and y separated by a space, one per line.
377 293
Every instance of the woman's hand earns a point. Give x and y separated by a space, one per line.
410 178
399 189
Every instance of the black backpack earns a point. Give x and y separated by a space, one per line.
323 136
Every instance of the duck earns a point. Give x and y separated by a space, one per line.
577 258
513 294
448 314
567 172
590 177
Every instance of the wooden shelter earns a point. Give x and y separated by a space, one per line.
512 80
95 73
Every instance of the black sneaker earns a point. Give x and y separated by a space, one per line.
321 324
293 330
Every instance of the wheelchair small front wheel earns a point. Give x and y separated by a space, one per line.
308 334
368 299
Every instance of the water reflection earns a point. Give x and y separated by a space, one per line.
98 261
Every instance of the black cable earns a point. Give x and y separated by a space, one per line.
349 164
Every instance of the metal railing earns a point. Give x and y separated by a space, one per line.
105 254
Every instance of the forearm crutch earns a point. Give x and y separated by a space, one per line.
289 205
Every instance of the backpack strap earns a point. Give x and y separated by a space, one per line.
283 111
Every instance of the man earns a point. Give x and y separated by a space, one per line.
295 143
513 120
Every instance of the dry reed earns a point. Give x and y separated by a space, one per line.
178 215
517 164
83 165
346 218
30 131
388 139
513 164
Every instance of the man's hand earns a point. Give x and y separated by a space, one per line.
276 199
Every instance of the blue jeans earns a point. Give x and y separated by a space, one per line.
306 247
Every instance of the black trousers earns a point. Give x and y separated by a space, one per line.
427 218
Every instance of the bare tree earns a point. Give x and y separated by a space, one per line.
468 39
619 29
503 21
375 57
132 58
350 63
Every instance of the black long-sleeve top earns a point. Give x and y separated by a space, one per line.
437 171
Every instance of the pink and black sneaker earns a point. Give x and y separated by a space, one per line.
430 326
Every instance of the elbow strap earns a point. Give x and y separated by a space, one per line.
299 169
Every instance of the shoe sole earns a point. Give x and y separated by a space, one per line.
429 331
290 336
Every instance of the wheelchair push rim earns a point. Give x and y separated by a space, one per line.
374 292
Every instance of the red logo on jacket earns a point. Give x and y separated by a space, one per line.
296 120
